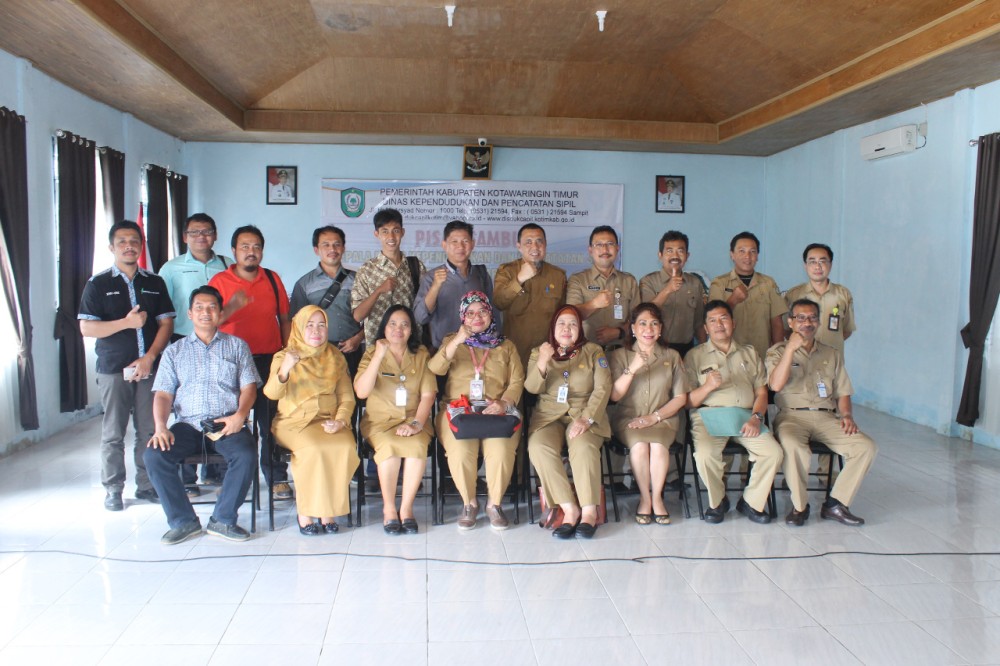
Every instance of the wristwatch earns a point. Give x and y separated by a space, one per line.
415 423
760 417
590 421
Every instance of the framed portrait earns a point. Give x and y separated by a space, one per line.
477 162
670 194
282 185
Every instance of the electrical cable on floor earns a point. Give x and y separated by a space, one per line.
642 559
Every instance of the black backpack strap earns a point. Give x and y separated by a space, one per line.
277 300
334 289
414 265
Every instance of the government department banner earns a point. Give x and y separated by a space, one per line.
567 211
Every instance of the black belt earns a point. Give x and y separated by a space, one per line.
813 409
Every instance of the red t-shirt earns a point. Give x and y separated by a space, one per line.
257 322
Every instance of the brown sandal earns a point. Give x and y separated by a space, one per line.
644 518
662 519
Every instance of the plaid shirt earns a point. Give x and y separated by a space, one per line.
373 273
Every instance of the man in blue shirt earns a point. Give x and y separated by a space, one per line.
130 313
208 377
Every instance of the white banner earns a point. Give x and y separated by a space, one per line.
567 211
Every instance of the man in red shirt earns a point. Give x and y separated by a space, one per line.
256 310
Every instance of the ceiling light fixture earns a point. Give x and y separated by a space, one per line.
450 9
601 14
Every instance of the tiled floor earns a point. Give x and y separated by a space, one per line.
104 591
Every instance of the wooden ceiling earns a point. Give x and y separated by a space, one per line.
748 77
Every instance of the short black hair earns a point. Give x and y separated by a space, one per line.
208 291
200 217
124 224
715 305
248 229
413 343
743 235
385 216
457 225
804 303
817 246
671 236
328 229
530 226
603 229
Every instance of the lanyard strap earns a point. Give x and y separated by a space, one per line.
478 367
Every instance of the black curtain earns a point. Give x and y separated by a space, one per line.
157 223
14 268
77 182
177 192
113 174
984 288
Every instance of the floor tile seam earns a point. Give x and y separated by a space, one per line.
987 612
915 623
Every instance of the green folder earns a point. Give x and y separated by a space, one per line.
726 421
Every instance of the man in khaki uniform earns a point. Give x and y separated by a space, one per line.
528 291
604 295
836 305
725 373
811 387
679 295
754 297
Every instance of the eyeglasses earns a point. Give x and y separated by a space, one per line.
476 314
604 246
194 233
802 319
821 262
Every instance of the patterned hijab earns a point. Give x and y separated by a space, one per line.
567 353
316 372
491 337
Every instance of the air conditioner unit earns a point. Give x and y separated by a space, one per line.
900 140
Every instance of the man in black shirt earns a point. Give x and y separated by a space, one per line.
130 313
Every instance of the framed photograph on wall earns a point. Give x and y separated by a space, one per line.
282 185
477 162
670 194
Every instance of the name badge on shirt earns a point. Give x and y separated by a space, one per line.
477 388
821 388
563 395
401 396
619 311
834 323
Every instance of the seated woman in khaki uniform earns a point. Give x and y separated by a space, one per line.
650 389
573 383
394 378
482 365
315 403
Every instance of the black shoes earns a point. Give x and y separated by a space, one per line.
312 529
410 526
565 531
586 530
797 518
113 501
148 495
182 533
331 528
759 517
841 514
392 527
717 514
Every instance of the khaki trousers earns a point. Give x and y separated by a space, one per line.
463 461
796 428
765 453
545 451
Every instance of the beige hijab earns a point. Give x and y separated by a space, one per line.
316 372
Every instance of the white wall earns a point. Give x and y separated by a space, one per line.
48 106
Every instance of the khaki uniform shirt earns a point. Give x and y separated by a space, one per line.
824 364
753 316
589 380
684 310
502 375
653 385
373 273
381 412
836 297
528 308
585 285
336 403
741 369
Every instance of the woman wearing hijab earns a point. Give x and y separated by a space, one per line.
573 383
650 389
315 402
483 366
399 389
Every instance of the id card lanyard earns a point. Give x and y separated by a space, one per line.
401 392
821 387
619 310
563 395
477 387
834 321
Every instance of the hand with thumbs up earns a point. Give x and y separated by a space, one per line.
135 318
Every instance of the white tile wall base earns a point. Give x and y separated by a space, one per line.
113 595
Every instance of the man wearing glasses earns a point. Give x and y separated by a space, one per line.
604 295
836 305
185 273
813 395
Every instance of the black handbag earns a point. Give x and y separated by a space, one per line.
465 423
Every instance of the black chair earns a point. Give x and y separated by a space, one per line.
677 450
365 450
817 448
207 457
